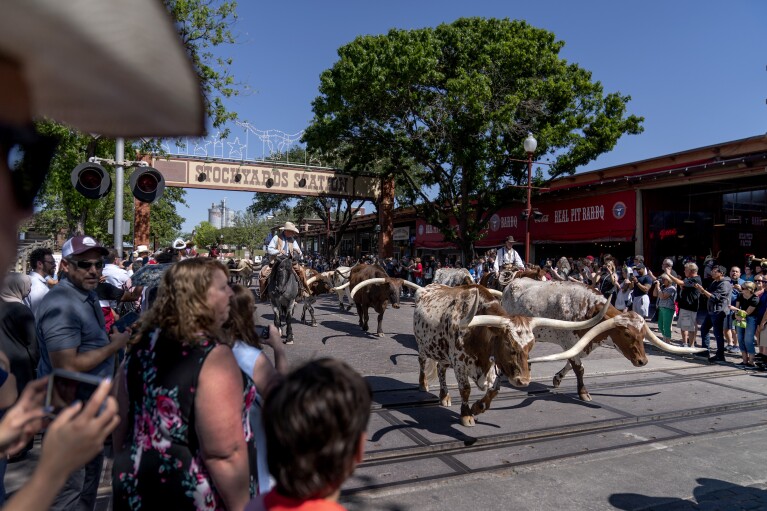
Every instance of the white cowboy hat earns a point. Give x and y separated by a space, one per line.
116 68
290 226
179 244
142 248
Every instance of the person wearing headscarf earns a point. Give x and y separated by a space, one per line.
18 339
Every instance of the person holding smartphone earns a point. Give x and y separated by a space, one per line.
248 350
72 333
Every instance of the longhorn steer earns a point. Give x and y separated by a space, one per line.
319 283
467 329
340 280
574 301
371 287
453 277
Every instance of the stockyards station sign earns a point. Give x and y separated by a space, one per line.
266 178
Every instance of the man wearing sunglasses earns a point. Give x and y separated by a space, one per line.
72 336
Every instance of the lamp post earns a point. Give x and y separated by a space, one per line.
530 145
377 234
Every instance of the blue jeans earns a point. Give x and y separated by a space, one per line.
715 320
746 336
80 491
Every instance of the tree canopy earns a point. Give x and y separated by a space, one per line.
448 108
202 25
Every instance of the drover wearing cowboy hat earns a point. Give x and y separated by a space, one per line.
507 255
283 244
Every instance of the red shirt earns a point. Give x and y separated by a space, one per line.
273 501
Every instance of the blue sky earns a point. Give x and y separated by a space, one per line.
696 70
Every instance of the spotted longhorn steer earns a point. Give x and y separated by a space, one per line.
453 277
467 329
340 280
319 283
371 287
574 301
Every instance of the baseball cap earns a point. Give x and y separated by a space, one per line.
639 266
721 269
81 244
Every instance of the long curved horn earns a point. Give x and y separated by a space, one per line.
339 272
496 293
341 287
569 325
472 315
411 285
655 341
580 345
489 320
311 280
368 282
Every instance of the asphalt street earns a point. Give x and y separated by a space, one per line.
676 434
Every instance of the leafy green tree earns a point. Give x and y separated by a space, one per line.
446 110
250 231
204 25
205 236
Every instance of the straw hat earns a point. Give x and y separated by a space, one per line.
116 68
290 226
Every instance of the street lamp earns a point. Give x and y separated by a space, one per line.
530 145
377 231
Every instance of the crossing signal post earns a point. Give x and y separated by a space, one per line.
92 180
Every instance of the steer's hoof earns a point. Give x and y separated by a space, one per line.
314 323
557 381
348 308
287 341
585 396
380 334
364 328
446 401
423 388
468 421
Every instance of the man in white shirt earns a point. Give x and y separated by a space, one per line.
115 275
507 255
42 264
284 244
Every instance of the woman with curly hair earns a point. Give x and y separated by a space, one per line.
184 441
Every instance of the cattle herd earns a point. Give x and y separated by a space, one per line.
482 333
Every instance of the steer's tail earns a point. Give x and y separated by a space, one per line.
430 370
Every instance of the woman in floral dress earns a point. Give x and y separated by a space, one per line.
184 442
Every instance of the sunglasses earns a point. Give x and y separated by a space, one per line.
86 265
28 155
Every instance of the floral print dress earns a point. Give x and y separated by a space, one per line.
161 464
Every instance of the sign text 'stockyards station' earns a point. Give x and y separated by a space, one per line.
278 178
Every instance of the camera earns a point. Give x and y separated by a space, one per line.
66 387
263 332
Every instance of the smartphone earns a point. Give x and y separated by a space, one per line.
126 321
66 387
264 332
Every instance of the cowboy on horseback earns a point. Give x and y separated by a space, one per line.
283 244
506 263
507 255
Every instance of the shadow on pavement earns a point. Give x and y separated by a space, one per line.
711 494
435 419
